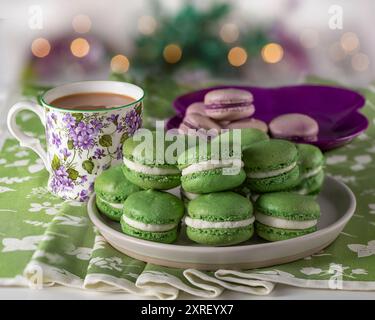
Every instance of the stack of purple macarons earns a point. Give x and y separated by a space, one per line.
222 109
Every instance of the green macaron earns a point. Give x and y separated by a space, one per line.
112 188
311 162
219 219
211 169
152 215
146 164
271 166
246 137
285 215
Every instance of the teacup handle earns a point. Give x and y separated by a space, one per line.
24 139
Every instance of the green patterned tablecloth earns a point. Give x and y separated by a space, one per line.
44 241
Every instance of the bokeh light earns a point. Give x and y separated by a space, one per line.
147 25
81 23
360 62
172 53
309 38
237 56
120 64
79 47
272 53
349 41
229 33
40 47
336 52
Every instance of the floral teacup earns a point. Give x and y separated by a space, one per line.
80 144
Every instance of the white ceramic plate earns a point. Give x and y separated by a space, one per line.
337 204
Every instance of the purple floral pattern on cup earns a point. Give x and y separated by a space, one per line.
82 144
132 121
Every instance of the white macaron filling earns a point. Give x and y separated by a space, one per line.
312 172
272 173
189 195
210 165
281 223
115 205
148 226
203 224
149 170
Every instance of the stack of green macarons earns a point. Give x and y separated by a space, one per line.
220 186
284 175
279 165
219 210
201 177
152 214
129 193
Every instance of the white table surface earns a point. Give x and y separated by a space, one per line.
281 292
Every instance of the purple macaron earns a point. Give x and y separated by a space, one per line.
229 104
248 123
294 125
196 121
196 107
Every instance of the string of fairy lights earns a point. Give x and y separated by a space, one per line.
271 53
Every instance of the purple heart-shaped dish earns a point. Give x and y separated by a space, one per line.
335 109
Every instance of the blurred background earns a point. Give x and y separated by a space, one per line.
169 46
